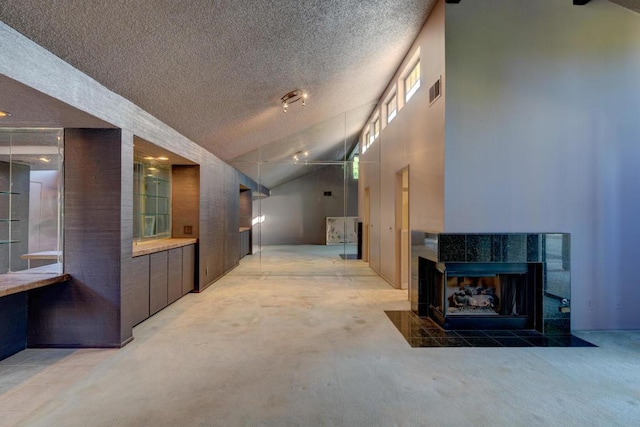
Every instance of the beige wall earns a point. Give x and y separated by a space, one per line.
415 138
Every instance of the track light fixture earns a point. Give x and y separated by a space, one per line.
293 96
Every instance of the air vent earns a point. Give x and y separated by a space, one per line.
434 91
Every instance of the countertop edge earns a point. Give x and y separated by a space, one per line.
29 282
153 246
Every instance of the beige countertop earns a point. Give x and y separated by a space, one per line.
244 229
47 255
21 281
159 245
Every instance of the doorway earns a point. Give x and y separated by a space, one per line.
402 229
366 226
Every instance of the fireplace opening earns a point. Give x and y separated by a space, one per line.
481 296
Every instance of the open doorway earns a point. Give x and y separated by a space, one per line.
365 225
402 229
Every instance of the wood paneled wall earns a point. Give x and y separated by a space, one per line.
185 200
88 311
211 239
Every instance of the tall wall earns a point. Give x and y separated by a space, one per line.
295 212
414 139
543 134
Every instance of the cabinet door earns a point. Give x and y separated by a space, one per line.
175 274
140 303
188 268
158 282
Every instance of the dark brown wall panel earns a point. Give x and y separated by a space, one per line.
211 239
245 207
174 275
158 282
185 201
86 312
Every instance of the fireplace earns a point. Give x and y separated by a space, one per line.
492 281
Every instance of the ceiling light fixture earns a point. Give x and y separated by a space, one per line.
163 158
293 96
4 114
44 159
298 154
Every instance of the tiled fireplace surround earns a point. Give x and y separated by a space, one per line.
546 255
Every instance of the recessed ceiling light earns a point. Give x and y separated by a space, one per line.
152 169
162 158
4 114
44 159
149 158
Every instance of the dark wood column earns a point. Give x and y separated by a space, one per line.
92 309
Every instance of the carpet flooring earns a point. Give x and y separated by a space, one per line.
297 339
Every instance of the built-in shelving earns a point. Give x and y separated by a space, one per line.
151 200
8 220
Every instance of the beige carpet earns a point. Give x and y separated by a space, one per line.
294 349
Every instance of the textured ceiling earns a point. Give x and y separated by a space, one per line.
215 70
629 4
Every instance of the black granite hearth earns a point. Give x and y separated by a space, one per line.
423 332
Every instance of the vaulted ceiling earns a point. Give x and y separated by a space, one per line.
215 70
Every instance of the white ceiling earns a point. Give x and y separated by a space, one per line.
215 70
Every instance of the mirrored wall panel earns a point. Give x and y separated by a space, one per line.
31 205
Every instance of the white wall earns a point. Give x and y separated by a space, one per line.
295 213
543 134
415 138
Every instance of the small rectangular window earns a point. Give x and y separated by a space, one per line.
412 82
356 167
376 129
392 108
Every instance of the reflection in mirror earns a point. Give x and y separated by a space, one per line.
31 188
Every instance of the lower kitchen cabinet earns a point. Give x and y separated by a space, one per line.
161 278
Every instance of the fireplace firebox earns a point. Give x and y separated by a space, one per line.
492 281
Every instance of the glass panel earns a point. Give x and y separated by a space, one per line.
151 199
31 200
308 225
391 109
412 82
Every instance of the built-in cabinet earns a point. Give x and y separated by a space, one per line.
140 294
158 282
161 278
